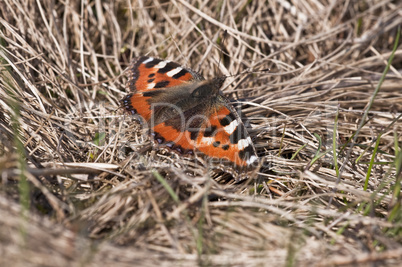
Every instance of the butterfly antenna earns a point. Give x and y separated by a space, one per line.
225 33
249 72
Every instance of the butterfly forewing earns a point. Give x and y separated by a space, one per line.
148 73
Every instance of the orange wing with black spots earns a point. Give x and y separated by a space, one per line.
227 138
148 73
187 115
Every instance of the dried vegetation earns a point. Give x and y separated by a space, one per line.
80 186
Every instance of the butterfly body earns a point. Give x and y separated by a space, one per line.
187 114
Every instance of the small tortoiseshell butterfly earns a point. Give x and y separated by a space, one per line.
189 115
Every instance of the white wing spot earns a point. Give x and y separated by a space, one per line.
207 140
174 72
151 85
148 60
162 64
243 143
231 127
252 159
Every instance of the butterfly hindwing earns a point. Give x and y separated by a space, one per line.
226 138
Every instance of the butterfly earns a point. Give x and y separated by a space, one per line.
189 115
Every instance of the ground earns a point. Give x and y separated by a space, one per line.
81 184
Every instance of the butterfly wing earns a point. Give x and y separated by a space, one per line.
149 77
225 137
148 73
214 131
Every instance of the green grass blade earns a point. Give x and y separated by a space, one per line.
168 188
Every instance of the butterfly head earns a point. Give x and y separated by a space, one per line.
209 89
218 82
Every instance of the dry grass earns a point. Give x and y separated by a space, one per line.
96 193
